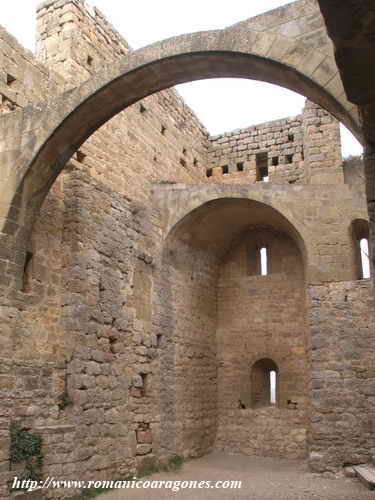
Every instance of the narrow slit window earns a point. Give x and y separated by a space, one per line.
365 260
263 261
273 387
27 276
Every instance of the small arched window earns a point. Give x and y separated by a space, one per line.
360 231
264 383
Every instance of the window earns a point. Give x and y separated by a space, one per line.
291 137
360 233
258 254
263 261
365 260
264 383
275 161
240 167
261 160
273 387
209 172
225 169
289 159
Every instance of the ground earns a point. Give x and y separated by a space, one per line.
262 479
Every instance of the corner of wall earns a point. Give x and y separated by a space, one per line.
75 39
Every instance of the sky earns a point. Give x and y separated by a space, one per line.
221 104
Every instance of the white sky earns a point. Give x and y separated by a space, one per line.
221 104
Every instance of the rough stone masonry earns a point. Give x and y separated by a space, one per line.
137 320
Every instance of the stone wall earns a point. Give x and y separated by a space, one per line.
262 317
110 346
159 139
23 79
185 303
233 156
342 378
304 149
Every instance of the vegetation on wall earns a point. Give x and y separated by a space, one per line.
26 447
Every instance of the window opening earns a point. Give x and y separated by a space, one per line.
264 261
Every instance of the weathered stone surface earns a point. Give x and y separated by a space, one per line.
133 309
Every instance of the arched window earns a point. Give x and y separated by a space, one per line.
360 232
264 383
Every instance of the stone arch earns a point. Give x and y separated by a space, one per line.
53 131
260 373
193 206
187 290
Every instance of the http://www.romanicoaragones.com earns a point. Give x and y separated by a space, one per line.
173 485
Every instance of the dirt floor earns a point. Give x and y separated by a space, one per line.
262 479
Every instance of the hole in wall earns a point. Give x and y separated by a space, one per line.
275 161
81 156
10 80
289 159
27 272
195 162
163 130
261 160
183 162
142 108
209 172
90 60
145 380
240 166
225 169
291 137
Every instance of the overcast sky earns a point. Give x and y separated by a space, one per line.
221 104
